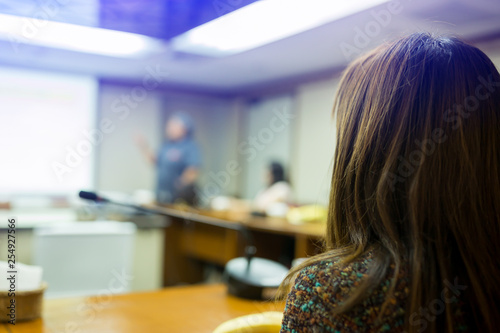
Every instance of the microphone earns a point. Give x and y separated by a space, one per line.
92 196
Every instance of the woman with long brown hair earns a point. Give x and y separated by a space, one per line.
413 230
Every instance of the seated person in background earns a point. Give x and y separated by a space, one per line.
178 161
414 217
277 191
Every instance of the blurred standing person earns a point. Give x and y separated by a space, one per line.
178 161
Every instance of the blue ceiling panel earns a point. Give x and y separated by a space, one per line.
163 18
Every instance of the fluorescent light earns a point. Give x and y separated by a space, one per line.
263 22
24 30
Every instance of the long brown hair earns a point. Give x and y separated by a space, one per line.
416 178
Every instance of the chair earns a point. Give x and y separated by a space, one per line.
85 258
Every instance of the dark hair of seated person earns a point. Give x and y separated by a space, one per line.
277 172
413 231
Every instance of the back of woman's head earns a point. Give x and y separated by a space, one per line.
416 175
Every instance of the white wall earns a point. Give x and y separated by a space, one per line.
314 142
120 164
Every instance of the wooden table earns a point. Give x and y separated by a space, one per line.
197 309
196 237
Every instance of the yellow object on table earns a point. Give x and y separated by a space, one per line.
306 214
265 322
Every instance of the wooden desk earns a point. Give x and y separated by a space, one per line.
197 309
195 238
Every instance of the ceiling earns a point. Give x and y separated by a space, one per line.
315 53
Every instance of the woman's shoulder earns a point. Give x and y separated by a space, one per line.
281 187
321 287
281 184
331 279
